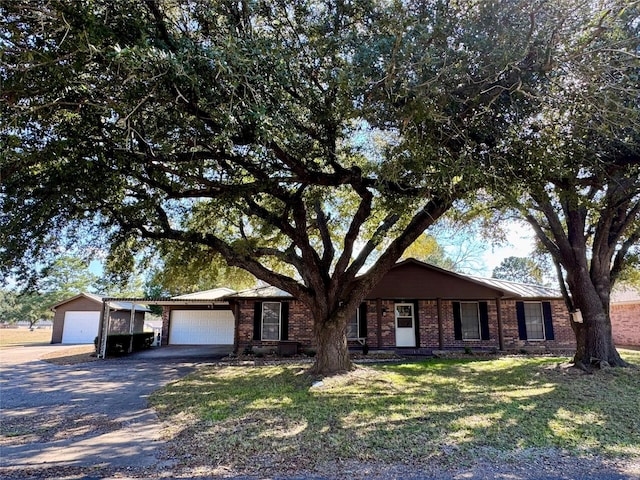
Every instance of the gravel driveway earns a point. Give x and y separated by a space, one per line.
57 417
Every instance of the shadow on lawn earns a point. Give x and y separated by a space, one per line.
444 410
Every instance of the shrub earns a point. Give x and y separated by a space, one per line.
118 343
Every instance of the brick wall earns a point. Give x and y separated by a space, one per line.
301 326
164 338
564 336
625 324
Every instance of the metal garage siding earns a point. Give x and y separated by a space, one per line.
80 327
201 327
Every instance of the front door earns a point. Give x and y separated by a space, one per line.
405 325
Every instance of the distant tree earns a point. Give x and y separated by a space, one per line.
64 277
518 269
8 306
25 307
33 307
631 277
427 249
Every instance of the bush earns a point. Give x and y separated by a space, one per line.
118 343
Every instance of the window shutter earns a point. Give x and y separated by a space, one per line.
257 321
362 325
548 321
284 321
457 321
522 326
484 321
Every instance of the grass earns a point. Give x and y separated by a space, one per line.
407 413
14 337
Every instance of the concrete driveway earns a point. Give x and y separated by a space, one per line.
84 415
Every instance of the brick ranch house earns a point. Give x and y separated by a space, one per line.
416 308
625 316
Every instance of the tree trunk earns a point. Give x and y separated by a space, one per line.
594 340
332 356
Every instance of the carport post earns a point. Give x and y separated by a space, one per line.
104 324
132 319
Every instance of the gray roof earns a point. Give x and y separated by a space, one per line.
113 304
215 294
267 291
625 294
515 289
510 289
118 305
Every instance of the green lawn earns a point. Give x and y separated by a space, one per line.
412 412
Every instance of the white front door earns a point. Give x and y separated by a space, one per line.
405 325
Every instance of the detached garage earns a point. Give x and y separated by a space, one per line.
76 320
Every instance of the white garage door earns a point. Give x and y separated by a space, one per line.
201 327
80 327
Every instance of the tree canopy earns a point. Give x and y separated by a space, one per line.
518 269
300 142
577 175
427 249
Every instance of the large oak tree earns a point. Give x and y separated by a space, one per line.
308 143
575 165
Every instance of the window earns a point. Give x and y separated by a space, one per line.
404 315
271 320
353 327
534 320
470 319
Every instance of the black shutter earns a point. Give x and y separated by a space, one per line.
457 321
548 321
522 326
484 321
416 320
284 321
362 321
257 321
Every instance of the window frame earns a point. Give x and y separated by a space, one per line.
262 329
526 324
357 315
478 323
413 314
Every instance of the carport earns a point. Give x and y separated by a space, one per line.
195 319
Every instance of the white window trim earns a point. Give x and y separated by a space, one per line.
413 314
544 333
279 322
477 304
357 326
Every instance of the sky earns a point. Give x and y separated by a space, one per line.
521 244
